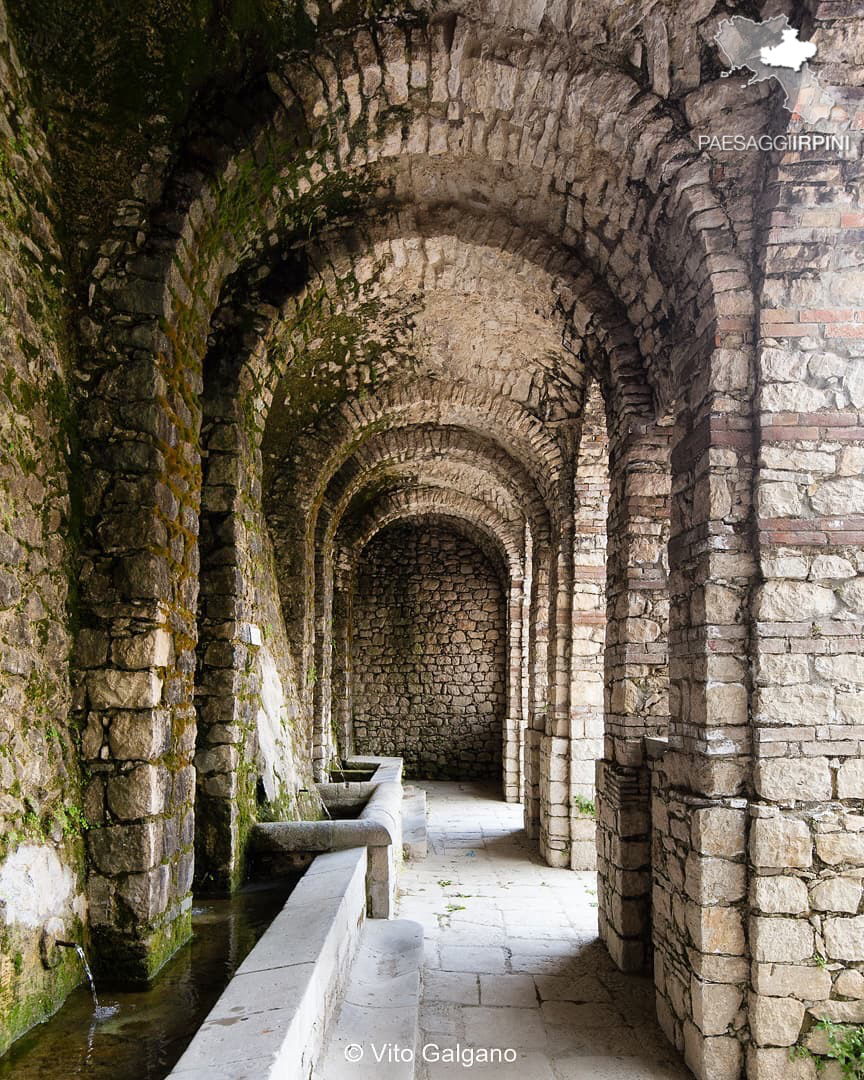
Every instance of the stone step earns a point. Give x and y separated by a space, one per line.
379 1017
414 844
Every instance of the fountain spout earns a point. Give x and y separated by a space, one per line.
83 958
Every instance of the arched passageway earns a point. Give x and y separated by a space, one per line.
475 270
429 636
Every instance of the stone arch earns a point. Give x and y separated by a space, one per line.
150 317
535 162
406 251
503 545
506 541
421 466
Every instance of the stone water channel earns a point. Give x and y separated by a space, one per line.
142 1033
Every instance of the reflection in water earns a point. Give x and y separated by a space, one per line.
141 1034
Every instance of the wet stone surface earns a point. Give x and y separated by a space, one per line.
141 1034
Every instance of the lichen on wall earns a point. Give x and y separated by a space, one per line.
41 854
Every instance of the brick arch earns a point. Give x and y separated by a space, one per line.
424 240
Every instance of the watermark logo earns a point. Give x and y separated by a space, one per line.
773 50
464 1056
801 142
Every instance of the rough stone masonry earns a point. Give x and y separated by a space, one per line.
278 284
428 633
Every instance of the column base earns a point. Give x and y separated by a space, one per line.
624 863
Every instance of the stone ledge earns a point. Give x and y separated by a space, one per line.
655 747
270 1021
379 829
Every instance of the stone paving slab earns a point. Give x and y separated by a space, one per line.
512 960
374 1034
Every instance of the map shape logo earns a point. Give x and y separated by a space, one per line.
772 50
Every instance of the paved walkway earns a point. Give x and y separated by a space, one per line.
512 956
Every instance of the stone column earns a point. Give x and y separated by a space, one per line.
636 667
538 641
698 813
806 850
555 740
342 708
320 675
512 748
588 630
139 589
228 640
526 681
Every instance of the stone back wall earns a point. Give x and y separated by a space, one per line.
429 654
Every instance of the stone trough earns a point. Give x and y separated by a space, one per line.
321 976
363 814
270 1022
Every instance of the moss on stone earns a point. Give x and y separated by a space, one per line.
124 960
160 64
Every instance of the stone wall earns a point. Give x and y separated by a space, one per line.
806 847
429 654
253 732
41 852
289 295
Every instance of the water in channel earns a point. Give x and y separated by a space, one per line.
141 1033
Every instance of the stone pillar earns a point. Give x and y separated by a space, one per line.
538 642
555 740
699 796
228 640
512 748
636 667
342 707
320 675
588 629
139 590
623 862
806 851
526 683
700 962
